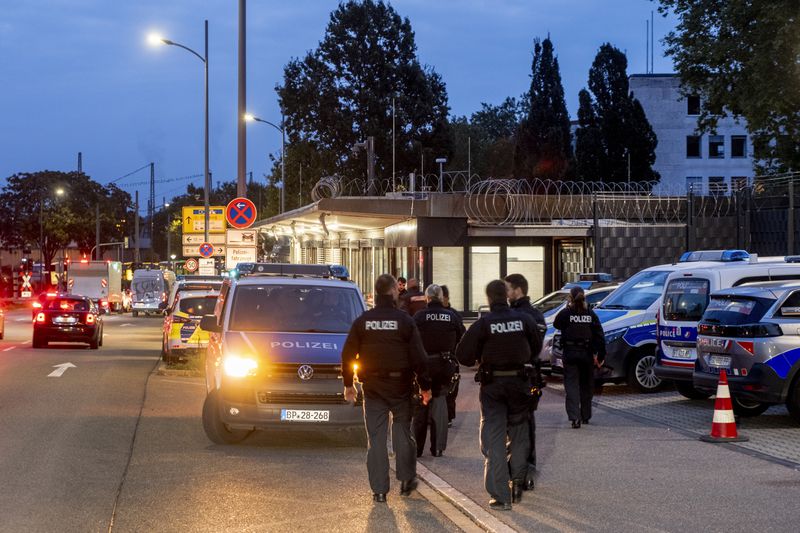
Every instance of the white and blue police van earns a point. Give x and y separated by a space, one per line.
686 296
628 316
275 351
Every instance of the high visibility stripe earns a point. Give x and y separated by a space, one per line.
723 417
723 391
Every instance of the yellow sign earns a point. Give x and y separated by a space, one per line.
193 219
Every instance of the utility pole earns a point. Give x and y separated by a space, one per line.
151 206
97 230
300 194
393 143
80 162
136 229
241 186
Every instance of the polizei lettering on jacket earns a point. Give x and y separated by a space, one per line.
506 327
381 325
580 319
437 317
306 345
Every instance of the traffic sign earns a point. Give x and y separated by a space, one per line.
241 237
194 251
207 267
240 213
190 265
194 221
190 239
243 254
206 250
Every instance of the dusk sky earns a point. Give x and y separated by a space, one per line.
78 75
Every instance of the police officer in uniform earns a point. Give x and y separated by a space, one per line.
440 329
518 299
413 300
453 394
502 342
385 344
584 347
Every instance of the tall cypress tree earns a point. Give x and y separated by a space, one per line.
589 152
625 134
543 148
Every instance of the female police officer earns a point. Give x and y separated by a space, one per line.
584 347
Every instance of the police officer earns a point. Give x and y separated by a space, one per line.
413 300
502 342
440 329
385 344
584 347
518 299
453 394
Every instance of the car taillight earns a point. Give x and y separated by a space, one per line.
40 317
37 305
104 303
89 318
163 296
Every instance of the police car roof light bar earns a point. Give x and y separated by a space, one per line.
292 270
725 256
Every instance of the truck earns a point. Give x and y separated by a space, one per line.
99 280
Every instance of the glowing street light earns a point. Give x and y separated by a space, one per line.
249 117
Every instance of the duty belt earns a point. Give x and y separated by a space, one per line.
508 373
389 374
440 354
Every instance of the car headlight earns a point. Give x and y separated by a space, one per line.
615 334
238 367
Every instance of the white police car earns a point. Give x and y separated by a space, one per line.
274 354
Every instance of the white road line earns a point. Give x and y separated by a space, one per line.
125 324
9 348
23 319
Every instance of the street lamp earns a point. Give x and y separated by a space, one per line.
251 118
155 39
441 161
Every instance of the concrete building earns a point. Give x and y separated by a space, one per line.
709 164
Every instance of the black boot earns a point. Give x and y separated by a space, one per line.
576 424
494 504
516 492
379 498
407 486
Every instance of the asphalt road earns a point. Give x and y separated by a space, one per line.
65 443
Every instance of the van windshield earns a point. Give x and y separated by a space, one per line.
199 306
292 308
686 299
639 292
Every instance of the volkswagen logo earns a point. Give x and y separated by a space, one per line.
305 372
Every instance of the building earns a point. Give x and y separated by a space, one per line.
708 164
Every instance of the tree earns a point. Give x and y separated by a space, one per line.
616 139
341 93
51 210
543 144
742 58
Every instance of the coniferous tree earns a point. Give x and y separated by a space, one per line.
588 140
543 147
627 140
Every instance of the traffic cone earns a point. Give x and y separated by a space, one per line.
723 427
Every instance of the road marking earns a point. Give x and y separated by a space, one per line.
23 319
9 348
60 369
125 324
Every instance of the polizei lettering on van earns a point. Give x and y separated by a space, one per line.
306 345
381 325
506 327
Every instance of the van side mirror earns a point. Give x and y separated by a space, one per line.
209 323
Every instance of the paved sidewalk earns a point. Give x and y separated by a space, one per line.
622 474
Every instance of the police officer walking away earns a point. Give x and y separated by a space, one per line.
518 299
453 394
440 329
584 347
502 342
385 344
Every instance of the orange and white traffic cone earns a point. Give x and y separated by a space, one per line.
723 427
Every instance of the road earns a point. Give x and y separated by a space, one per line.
66 442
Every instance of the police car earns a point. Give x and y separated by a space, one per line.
686 295
182 334
274 353
753 333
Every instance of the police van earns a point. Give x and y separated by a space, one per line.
686 295
274 353
628 316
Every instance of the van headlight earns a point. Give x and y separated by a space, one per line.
615 334
236 366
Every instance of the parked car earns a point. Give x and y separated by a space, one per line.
68 318
182 333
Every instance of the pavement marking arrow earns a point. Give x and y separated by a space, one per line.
60 369
9 348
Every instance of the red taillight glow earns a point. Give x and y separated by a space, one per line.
747 345
89 318
37 305
40 317
104 303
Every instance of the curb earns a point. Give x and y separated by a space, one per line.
164 370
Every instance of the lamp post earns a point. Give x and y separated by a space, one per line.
59 192
157 40
251 118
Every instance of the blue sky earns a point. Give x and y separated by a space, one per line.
79 76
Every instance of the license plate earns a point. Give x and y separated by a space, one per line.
683 353
719 361
138 305
304 415
64 320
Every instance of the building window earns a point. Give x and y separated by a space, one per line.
692 105
738 145
716 146
484 263
528 261
738 183
448 269
694 184
717 186
693 145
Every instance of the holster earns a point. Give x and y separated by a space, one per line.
483 375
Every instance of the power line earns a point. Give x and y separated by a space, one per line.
129 174
163 180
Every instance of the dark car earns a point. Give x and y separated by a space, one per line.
68 318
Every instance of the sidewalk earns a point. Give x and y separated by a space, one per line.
617 474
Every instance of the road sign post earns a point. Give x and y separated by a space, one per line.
190 265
